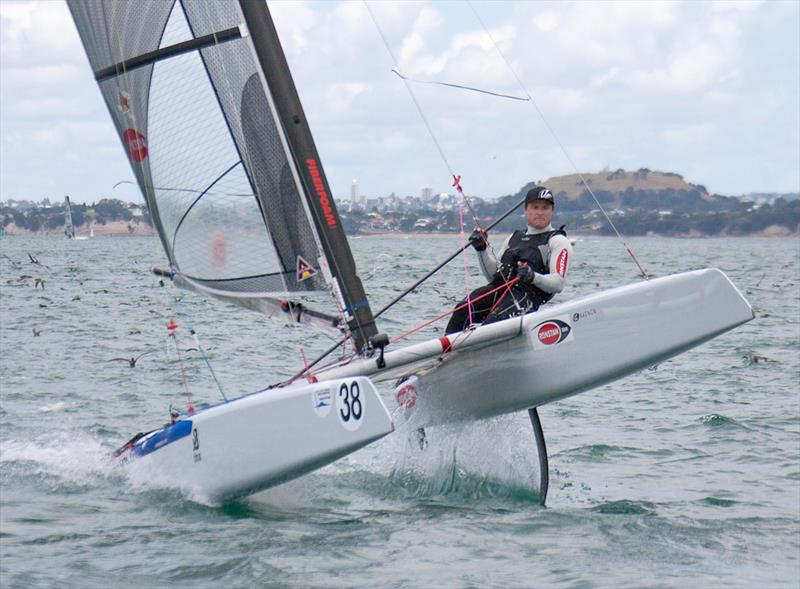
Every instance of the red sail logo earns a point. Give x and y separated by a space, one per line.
136 145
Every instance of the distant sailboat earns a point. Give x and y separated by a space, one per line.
70 225
69 229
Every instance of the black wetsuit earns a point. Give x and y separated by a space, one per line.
505 302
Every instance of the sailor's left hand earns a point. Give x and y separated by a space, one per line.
478 239
524 272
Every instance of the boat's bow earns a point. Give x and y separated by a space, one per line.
569 348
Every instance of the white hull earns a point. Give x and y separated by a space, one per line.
585 343
264 439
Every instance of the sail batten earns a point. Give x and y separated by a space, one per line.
200 195
166 52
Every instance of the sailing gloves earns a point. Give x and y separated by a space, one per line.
477 239
525 274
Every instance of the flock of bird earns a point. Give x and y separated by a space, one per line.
39 282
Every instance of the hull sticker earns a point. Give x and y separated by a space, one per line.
585 315
304 270
322 401
350 405
196 445
406 393
550 333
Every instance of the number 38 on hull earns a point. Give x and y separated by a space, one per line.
260 440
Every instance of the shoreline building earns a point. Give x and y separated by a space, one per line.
426 194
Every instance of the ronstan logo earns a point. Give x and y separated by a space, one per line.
561 263
322 194
552 332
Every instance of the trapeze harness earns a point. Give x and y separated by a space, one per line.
522 297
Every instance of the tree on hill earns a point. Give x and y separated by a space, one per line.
111 209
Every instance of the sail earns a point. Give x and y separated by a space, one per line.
207 112
69 228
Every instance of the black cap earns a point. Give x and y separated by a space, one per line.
539 193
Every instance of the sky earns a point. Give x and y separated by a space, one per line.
709 90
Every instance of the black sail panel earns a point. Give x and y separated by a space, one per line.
280 199
315 185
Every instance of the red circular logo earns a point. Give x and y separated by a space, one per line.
549 333
136 145
407 396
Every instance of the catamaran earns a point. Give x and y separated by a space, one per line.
206 109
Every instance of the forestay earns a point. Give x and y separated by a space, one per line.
204 104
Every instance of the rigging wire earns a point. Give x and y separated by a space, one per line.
194 190
413 330
208 363
456 178
552 132
459 86
403 294
172 304
464 257
171 327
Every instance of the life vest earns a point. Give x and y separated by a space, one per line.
532 248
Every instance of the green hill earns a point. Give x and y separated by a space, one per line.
663 203
619 181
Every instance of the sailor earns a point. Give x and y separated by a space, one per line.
538 257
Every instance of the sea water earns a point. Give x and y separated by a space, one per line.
686 474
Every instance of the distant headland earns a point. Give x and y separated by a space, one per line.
641 202
103 218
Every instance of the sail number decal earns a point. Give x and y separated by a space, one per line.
350 405
196 446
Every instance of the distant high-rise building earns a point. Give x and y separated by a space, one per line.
354 196
427 194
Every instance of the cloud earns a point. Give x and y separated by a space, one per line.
33 33
656 82
688 136
341 97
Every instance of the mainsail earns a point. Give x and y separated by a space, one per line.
69 228
204 103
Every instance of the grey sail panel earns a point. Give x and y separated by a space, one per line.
113 32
